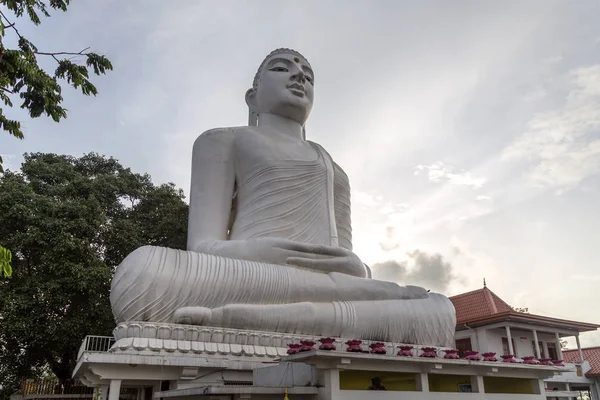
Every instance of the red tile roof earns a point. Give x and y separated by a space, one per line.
477 304
591 354
483 307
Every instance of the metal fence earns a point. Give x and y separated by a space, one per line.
96 344
51 389
30 387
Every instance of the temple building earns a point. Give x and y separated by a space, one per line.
486 323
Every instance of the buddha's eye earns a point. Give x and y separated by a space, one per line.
279 69
309 78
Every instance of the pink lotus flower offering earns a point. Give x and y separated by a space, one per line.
489 356
327 344
509 358
530 360
378 348
451 354
474 355
306 345
558 363
294 348
405 351
429 352
546 361
354 346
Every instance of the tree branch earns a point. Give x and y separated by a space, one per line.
52 54
11 25
64 53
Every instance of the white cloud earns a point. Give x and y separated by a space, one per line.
535 94
563 145
483 198
364 199
8 161
440 172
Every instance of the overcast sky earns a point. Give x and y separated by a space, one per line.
470 130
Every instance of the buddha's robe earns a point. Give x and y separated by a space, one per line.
309 202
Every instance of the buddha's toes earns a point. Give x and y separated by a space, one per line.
352 288
193 316
394 291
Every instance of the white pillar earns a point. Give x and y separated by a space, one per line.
331 385
423 382
115 389
545 347
477 384
558 346
537 344
511 350
482 345
579 348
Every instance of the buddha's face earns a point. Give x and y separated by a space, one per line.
285 88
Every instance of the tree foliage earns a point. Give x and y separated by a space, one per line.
22 77
69 222
5 262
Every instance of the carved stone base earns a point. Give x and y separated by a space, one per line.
152 338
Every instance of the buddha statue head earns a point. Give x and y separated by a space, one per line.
283 85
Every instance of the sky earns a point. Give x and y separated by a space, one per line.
470 130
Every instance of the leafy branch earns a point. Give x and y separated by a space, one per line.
5 262
21 75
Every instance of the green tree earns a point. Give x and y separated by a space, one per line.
5 262
21 75
70 222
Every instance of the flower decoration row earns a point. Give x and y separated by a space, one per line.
355 346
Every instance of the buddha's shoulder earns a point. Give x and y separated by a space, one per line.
222 136
338 170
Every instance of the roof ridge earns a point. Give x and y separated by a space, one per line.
464 294
490 300
582 349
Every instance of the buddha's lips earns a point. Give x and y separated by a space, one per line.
296 86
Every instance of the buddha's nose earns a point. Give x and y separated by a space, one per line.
299 76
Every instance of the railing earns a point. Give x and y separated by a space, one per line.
72 390
96 344
30 387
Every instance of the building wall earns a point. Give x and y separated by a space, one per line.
360 395
490 340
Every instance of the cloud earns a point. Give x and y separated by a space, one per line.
535 94
483 198
8 162
585 277
563 146
428 270
440 172
390 241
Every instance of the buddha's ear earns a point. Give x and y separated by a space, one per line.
251 99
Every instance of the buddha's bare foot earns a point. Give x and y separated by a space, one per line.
193 316
293 317
353 288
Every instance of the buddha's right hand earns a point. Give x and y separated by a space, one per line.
269 250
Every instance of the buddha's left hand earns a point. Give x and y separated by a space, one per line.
331 259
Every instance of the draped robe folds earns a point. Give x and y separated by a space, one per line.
310 203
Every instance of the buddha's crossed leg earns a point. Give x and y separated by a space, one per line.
161 284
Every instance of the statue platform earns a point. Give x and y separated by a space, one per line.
184 361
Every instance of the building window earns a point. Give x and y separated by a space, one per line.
463 345
552 353
542 354
505 347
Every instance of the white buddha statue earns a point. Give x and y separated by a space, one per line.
269 240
